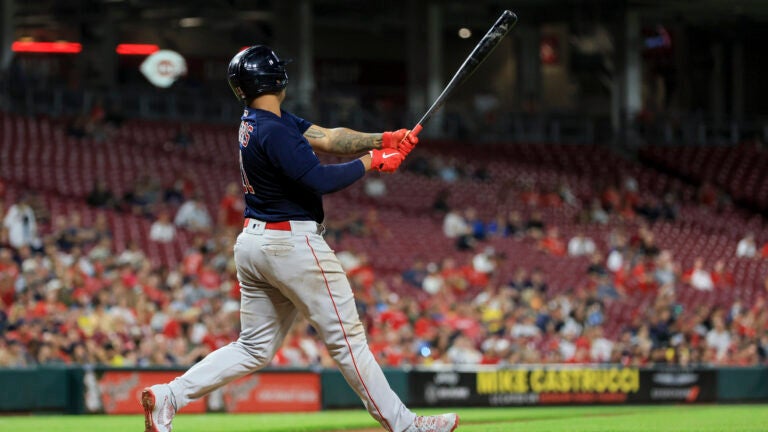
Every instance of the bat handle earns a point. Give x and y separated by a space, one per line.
415 131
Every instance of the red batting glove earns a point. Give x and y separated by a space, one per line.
408 143
387 160
390 140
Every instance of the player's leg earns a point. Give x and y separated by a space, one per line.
312 277
266 316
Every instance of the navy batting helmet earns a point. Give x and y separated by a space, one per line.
256 70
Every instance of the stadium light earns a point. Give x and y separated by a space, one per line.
60 47
190 22
136 49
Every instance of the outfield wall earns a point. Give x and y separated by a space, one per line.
78 390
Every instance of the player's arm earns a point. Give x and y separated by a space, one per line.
342 141
325 179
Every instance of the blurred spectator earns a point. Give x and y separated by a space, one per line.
566 195
721 278
463 352
477 226
375 187
596 266
162 230
141 196
514 223
666 272
597 214
454 225
100 196
520 280
440 204
193 215
550 198
669 207
534 226
646 241
497 227
552 243
581 245
699 277
538 282
747 247
601 348
20 225
183 186
433 282
618 245
610 199
232 208
485 261
525 327
415 274
448 172
529 195
718 338
373 227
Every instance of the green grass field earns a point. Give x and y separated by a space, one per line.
702 418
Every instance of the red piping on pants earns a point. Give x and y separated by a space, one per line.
349 346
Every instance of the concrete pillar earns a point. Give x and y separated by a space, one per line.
306 87
294 39
682 52
6 33
717 84
435 82
416 53
737 81
632 72
528 63
98 59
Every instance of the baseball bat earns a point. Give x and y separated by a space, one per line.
483 48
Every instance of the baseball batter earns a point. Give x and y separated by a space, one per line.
283 263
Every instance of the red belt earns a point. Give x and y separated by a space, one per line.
280 226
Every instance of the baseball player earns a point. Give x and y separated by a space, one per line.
283 263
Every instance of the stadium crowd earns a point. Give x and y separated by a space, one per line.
66 296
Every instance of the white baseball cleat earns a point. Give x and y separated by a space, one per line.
159 408
438 423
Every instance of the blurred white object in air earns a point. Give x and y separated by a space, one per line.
163 68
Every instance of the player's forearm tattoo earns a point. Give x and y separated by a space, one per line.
314 132
347 141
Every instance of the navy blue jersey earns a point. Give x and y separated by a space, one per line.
274 156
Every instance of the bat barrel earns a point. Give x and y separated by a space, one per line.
495 34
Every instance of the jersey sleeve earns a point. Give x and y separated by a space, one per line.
289 151
300 123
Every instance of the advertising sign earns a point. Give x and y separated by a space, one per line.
540 386
677 386
273 392
119 392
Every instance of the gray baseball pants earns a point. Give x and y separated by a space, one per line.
282 273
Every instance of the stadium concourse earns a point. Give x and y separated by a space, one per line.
111 253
